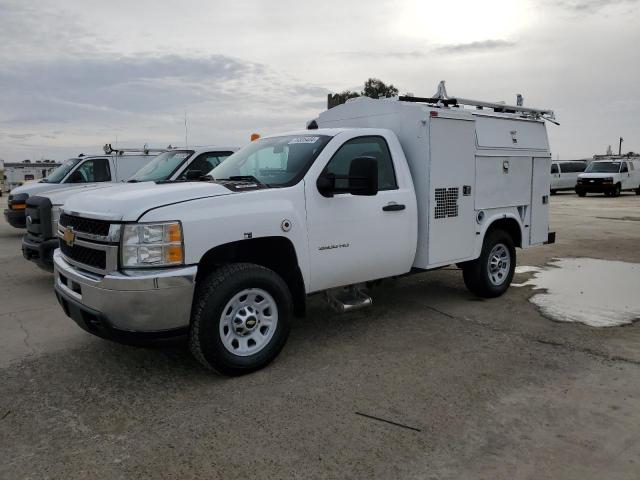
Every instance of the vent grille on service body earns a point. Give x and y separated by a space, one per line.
447 202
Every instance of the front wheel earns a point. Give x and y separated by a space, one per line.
490 275
616 191
581 193
240 318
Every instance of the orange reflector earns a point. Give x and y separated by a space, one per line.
18 206
173 233
173 254
255 136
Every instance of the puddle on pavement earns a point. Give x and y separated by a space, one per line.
598 293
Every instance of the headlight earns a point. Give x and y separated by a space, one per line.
608 180
55 217
152 244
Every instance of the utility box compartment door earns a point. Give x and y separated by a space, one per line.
452 190
540 180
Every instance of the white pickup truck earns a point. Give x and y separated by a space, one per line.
85 170
372 189
43 210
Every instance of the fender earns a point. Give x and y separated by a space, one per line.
511 215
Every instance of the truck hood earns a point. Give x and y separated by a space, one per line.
37 188
597 175
58 197
127 202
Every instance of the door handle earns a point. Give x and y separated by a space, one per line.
393 207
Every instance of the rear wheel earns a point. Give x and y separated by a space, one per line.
240 318
491 274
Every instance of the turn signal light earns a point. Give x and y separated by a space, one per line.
18 206
173 254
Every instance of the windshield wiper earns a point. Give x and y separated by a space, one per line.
249 178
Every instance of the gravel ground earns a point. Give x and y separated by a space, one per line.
428 383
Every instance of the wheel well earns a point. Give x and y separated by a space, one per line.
274 253
509 225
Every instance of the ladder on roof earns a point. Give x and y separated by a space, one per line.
108 149
442 99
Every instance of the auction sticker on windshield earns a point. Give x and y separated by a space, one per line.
304 140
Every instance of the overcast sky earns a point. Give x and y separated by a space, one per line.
77 74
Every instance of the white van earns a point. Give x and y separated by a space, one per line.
564 174
609 177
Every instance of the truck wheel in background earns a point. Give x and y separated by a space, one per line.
553 192
581 194
638 190
616 191
240 318
491 274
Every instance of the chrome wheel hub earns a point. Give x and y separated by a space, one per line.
248 322
499 264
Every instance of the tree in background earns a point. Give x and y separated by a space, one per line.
373 87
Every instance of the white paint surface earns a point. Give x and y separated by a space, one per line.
598 293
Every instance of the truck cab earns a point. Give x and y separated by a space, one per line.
43 210
610 177
113 167
372 189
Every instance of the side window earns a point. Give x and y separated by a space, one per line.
554 168
92 170
624 168
205 163
580 166
375 147
631 167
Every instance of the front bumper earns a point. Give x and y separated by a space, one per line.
39 251
596 188
154 303
15 218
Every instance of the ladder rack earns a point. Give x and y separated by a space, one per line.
108 149
442 99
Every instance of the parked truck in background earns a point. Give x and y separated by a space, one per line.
43 210
114 166
610 177
373 189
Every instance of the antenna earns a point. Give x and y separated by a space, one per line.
186 135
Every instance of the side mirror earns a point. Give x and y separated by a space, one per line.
362 179
194 174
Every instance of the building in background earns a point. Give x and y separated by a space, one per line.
15 174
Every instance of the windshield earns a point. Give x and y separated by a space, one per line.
161 167
603 167
59 173
275 162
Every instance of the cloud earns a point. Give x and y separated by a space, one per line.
590 6
372 54
475 47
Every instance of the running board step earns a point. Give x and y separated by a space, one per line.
348 298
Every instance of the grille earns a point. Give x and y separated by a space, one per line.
87 256
85 225
447 202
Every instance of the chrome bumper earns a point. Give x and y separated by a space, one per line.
144 301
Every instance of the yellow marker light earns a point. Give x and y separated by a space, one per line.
173 254
18 206
255 136
173 232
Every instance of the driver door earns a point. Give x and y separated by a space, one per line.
90 171
354 238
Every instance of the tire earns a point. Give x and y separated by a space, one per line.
616 191
638 190
607 193
478 275
223 342
581 194
553 192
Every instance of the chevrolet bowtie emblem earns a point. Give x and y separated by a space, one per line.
69 236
